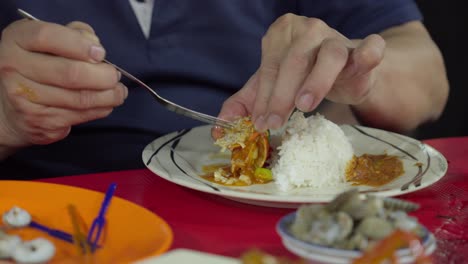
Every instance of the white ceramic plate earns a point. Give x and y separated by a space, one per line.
179 157
189 256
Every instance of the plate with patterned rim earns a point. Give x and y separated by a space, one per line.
180 156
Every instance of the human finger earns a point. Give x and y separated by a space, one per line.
238 105
241 103
63 72
274 48
365 57
65 98
50 118
331 58
85 29
44 137
78 25
292 73
50 38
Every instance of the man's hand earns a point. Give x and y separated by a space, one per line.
303 62
51 78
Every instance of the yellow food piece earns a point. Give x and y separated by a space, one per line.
264 174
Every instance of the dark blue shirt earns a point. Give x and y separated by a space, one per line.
198 53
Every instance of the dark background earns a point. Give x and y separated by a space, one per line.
448 24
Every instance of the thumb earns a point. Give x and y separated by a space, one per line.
365 57
240 104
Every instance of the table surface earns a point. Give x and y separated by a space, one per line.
213 224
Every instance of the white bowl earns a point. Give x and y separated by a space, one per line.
323 254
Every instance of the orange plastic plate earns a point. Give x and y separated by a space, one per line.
133 232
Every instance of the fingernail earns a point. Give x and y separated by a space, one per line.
274 121
305 102
119 75
97 53
260 124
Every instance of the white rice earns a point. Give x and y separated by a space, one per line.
313 152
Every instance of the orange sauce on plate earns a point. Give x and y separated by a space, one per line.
373 170
209 170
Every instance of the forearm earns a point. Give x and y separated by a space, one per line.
410 86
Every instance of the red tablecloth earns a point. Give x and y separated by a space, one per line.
213 224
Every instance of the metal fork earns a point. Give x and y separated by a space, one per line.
166 103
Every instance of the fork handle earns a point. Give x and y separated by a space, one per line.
53 232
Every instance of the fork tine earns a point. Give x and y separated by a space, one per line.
201 117
26 14
79 238
99 221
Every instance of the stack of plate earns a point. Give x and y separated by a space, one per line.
323 254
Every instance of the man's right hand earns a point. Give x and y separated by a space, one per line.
51 78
